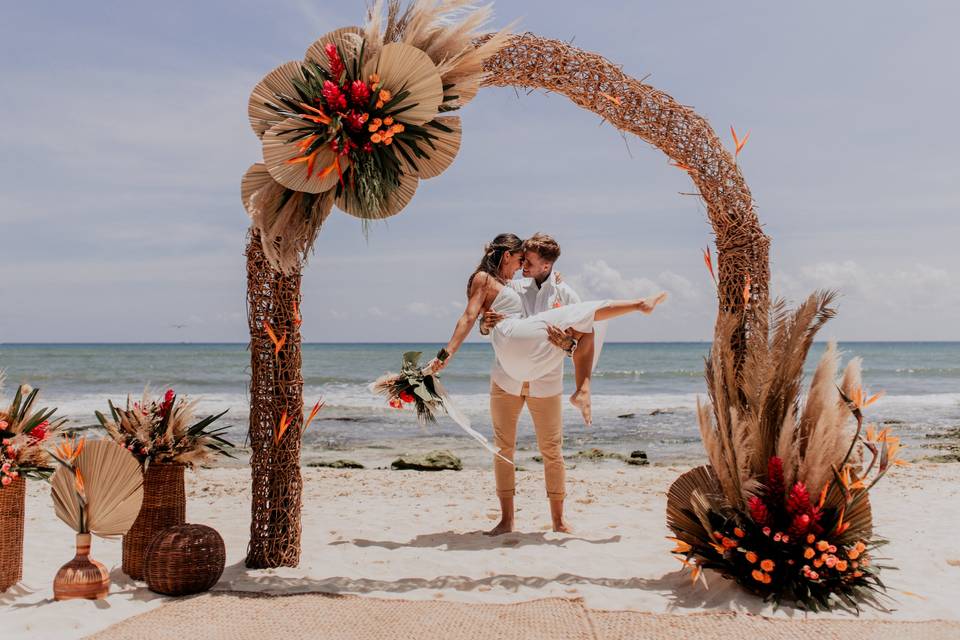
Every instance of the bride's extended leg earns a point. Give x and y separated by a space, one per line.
618 308
583 370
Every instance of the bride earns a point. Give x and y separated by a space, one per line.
523 344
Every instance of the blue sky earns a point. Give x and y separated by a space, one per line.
126 135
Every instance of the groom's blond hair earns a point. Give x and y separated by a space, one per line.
543 245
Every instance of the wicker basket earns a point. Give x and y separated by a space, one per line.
185 559
12 499
164 505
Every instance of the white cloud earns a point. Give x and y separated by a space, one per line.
597 279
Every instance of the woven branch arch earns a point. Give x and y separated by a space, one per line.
527 61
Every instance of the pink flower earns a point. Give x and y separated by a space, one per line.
6 480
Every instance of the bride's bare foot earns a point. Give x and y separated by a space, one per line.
581 400
647 305
504 526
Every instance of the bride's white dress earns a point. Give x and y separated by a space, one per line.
521 342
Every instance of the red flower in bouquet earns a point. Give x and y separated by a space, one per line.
804 515
167 403
406 397
355 120
775 485
332 96
39 432
336 63
359 93
759 511
396 403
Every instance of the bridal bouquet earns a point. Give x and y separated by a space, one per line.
165 431
412 387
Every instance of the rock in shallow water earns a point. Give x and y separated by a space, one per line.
336 464
432 461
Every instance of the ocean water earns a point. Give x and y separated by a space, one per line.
644 393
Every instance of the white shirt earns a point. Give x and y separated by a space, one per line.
535 300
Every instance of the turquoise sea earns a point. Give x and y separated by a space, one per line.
644 393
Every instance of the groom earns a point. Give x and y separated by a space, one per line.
541 396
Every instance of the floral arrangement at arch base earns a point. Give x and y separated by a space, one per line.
362 119
783 507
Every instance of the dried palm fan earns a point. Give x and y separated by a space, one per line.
783 507
97 490
362 119
100 490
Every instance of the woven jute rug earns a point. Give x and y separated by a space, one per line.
231 615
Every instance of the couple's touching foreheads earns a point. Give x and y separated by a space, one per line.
534 323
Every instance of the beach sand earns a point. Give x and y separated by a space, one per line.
416 535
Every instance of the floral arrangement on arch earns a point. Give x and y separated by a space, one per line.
783 507
24 432
165 430
362 119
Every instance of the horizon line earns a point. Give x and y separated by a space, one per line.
385 342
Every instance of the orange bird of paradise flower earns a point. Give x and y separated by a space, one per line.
746 291
708 260
313 413
69 448
277 343
297 320
615 100
680 165
738 143
859 398
281 428
78 483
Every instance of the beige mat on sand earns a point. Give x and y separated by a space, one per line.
231 615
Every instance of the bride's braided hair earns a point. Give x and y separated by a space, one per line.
493 256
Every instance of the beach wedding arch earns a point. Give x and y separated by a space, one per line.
360 122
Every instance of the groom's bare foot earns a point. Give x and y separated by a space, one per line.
504 526
581 400
562 527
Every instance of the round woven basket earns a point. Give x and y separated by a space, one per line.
164 505
12 499
184 559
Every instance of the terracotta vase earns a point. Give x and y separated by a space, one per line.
164 505
82 577
12 500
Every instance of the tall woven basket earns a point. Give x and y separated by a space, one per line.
12 499
164 505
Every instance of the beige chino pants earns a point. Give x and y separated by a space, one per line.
548 425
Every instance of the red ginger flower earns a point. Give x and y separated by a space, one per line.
775 484
359 92
39 432
332 96
406 397
798 502
336 64
758 511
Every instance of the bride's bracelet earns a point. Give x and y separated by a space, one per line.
573 347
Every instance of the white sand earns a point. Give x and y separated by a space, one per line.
415 535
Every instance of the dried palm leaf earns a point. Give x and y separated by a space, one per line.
681 517
398 198
403 68
288 222
348 41
283 160
263 102
112 488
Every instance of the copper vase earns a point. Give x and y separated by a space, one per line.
82 577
